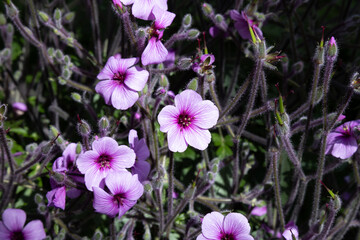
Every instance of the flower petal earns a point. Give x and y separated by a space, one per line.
57 197
93 177
205 114
176 140
197 137
123 97
168 118
136 78
125 2
201 237
142 9
133 138
105 88
142 169
155 52
187 100
127 204
344 147
212 225
34 230
237 224
104 203
4 232
141 150
87 160
14 219
163 18
124 157
115 186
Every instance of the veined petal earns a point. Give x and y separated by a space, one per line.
141 150
14 219
344 147
155 52
197 137
142 9
93 177
176 139
105 88
133 138
118 187
4 232
127 204
127 2
105 145
87 160
186 100
104 203
142 169
136 78
212 225
236 224
105 73
70 153
34 230
168 118
163 18
201 237
57 197
205 114
123 97
161 4
124 157
136 189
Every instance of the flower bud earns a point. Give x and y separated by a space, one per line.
187 20
38 198
51 52
148 188
297 67
193 33
355 82
189 193
184 63
10 29
262 49
319 55
5 53
97 235
193 84
69 17
67 60
215 168
54 131
2 19
30 148
3 110
332 50
78 148
61 80
66 73
210 76
84 128
43 16
157 184
104 124
47 148
42 208
164 81
59 55
207 9
11 10
76 97
57 14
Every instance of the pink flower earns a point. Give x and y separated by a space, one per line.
204 65
291 231
120 81
125 190
141 166
57 197
155 51
105 157
142 8
342 142
242 23
259 211
188 121
12 226
217 227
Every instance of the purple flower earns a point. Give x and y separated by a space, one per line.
204 65
217 227
155 51
120 81
125 190
242 24
57 197
188 121
342 142
170 59
12 226
142 8
105 157
258 211
214 31
291 230
19 106
141 166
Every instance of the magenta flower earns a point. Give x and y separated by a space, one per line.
57 197
232 227
125 190
242 22
204 65
20 107
342 142
105 157
155 51
141 166
120 82
142 8
259 211
188 121
291 231
12 226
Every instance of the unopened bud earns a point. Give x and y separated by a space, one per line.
337 203
355 82
207 9
30 148
83 128
262 49
69 17
97 235
43 16
319 55
297 67
193 84
148 188
10 28
78 148
184 63
215 168
3 110
2 19
42 208
11 10
76 97
104 123
193 33
124 120
28 31
5 53
164 81
157 184
51 51
38 198
66 73
57 14
319 95
210 76
333 50
189 193
59 55
54 131
187 20
61 80
67 60
141 33
47 148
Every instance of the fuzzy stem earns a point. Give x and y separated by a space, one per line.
300 200
171 183
275 156
161 211
329 222
175 38
128 28
7 149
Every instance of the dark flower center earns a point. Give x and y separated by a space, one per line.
184 120
18 235
227 236
120 77
153 32
118 199
104 161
